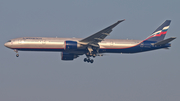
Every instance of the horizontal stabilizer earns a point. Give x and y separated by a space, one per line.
163 42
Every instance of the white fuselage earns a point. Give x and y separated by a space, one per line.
57 44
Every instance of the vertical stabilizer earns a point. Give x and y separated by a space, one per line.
160 32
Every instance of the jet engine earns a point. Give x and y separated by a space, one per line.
68 56
72 45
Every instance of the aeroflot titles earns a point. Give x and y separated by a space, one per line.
32 38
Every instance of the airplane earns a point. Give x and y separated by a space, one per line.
94 45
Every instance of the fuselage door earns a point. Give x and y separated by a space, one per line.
19 41
43 42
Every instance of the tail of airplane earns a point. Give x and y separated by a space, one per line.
159 33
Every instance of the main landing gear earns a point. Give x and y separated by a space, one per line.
88 55
88 60
17 55
91 52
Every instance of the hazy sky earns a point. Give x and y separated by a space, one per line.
43 76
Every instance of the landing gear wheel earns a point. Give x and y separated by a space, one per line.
91 61
88 60
85 59
17 55
94 55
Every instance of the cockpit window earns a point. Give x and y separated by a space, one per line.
9 41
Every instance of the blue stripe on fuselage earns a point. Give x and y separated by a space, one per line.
144 46
135 49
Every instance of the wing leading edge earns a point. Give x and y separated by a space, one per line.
99 36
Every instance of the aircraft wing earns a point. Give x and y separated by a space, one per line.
99 36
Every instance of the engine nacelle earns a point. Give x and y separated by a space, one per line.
68 56
72 45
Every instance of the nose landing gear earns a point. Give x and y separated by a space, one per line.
17 55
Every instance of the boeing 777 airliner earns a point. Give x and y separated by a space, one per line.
94 45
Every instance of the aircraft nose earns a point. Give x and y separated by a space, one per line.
7 44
